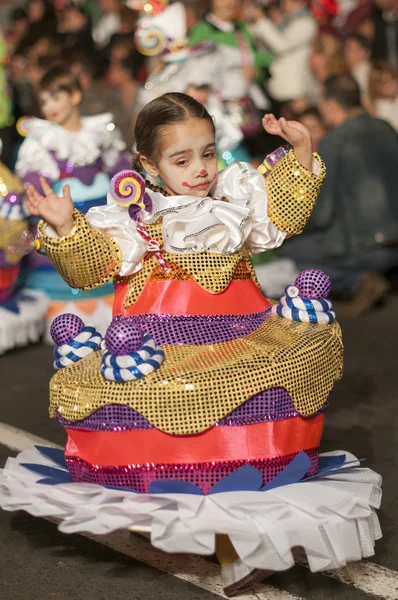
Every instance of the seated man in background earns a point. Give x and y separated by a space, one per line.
353 232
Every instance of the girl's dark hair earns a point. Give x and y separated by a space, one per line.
170 108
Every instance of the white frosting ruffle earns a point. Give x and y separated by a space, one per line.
27 326
332 518
97 138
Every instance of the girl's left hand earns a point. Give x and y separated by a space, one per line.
293 132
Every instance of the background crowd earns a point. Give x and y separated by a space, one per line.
330 64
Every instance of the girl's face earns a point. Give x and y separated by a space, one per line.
187 164
58 106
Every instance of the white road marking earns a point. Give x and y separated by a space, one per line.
365 576
20 440
372 579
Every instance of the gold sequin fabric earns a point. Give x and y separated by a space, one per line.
197 386
292 192
242 272
86 258
213 272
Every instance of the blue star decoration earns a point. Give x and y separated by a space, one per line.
245 478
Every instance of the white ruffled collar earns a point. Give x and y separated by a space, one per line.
195 224
82 147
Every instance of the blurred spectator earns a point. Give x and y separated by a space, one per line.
120 48
121 76
326 60
327 57
46 46
98 97
383 92
385 42
312 120
325 12
121 44
7 131
109 23
74 31
290 43
244 68
353 231
357 51
355 19
18 28
42 21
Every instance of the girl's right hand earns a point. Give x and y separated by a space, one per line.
57 211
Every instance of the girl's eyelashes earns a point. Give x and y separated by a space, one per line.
184 162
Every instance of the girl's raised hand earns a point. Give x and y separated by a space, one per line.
57 211
293 132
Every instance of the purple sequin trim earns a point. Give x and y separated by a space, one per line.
171 330
274 404
204 475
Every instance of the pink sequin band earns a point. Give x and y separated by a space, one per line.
274 404
204 475
170 330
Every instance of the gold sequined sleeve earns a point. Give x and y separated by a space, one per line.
292 192
86 258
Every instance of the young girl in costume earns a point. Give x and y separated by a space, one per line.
83 153
200 386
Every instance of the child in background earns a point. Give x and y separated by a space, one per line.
83 153
383 93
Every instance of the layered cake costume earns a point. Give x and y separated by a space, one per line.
22 314
198 418
85 160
